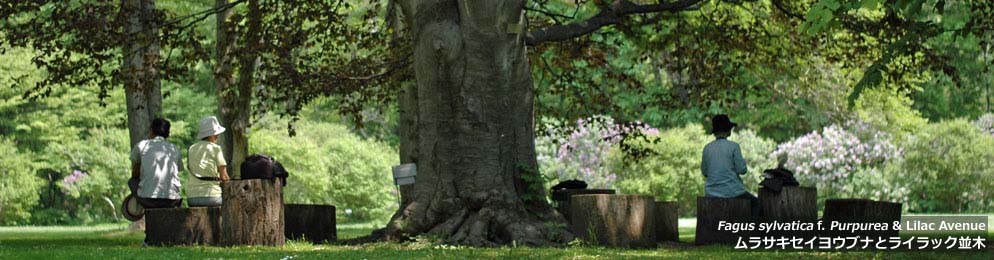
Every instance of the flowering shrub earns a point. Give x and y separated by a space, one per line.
829 159
583 155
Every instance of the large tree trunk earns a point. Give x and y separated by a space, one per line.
139 67
469 126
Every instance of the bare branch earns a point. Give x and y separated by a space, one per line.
611 15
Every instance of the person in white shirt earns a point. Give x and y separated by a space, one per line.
155 165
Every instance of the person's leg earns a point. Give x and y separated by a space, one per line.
204 202
152 203
757 210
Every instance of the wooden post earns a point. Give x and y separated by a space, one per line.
711 211
562 198
252 212
316 223
862 211
667 221
614 220
183 226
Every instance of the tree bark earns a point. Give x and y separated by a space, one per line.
224 77
667 221
139 67
183 226
614 220
469 126
252 213
235 98
711 211
316 223
790 204
861 211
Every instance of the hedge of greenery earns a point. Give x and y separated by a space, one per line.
330 165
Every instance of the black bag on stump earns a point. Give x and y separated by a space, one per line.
261 166
776 179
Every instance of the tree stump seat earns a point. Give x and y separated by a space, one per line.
613 220
183 226
316 223
861 211
792 203
711 211
667 219
252 212
562 198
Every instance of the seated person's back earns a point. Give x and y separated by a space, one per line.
155 169
207 166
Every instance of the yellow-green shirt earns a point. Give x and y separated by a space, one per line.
205 158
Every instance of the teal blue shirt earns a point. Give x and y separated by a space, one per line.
721 164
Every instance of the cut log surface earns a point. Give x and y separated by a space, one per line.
562 198
252 212
183 226
666 217
711 211
316 223
862 211
614 220
790 204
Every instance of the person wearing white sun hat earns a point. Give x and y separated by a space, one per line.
207 166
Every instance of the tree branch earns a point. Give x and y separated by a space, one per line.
608 16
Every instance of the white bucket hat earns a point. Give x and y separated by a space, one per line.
209 126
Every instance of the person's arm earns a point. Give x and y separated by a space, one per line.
738 163
222 166
136 172
136 161
223 170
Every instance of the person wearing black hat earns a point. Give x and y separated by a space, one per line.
722 164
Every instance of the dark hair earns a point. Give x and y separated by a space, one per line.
160 127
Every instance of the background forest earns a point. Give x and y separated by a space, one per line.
856 112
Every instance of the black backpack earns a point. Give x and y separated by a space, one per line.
778 178
261 166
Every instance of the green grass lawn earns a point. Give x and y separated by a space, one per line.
111 241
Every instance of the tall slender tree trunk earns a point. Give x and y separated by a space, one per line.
224 78
235 98
468 124
139 67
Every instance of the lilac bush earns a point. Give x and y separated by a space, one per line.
829 159
74 177
583 155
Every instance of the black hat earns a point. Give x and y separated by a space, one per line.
721 123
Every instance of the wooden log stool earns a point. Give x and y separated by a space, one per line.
614 220
666 216
711 211
183 226
861 211
562 198
316 223
792 203
252 212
